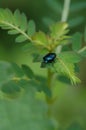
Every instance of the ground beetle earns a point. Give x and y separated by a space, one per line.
48 58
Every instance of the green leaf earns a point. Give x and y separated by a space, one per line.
14 78
37 57
5 27
17 70
6 14
28 47
24 83
9 72
23 22
21 38
20 20
35 84
15 24
31 29
40 86
9 15
66 69
76 41
70 57
43 86
12 32
17 17
58 30
40 38
63 79
27 70
10 87
1 14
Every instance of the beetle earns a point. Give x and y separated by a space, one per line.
48 58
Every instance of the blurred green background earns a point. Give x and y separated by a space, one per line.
70 107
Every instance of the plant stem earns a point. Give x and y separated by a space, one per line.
65 11
50 73
82 49
49 83
64 18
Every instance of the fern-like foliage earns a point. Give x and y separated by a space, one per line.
65 65
67 69
17 24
